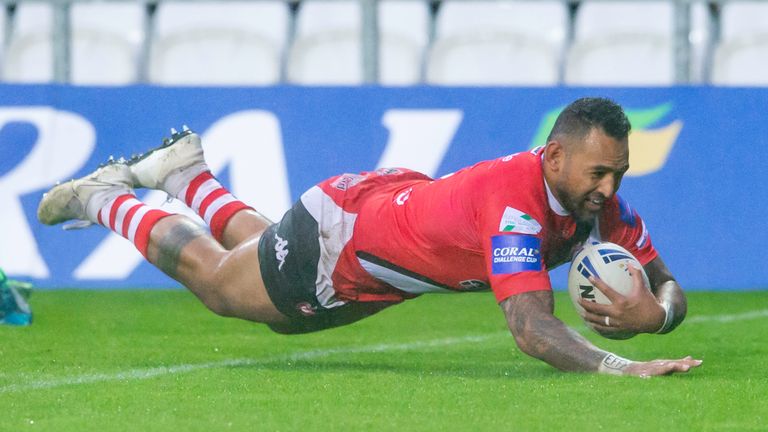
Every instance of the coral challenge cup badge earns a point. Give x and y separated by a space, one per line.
513 253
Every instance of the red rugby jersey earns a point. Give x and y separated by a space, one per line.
494 224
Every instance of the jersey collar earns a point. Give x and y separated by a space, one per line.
554 204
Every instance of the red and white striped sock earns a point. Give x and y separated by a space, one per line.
212 201
130 218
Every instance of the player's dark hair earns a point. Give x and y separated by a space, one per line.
578 118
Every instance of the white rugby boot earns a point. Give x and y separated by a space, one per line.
82 198
171 166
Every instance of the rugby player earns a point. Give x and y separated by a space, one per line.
355 244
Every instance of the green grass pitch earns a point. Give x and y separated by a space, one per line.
158 361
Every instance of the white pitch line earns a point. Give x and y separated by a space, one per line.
728 318
137 374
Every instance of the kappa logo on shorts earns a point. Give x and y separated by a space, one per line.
281 251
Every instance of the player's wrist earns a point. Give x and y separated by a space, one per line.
612 364
669 316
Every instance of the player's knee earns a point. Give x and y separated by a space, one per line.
222 302
217 296
220 306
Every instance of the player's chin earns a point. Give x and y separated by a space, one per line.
584 215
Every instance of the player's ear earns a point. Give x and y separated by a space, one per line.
554 155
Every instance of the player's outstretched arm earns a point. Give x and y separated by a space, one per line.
540 334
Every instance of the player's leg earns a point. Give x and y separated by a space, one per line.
228 282
178 168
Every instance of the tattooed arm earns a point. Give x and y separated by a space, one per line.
540 334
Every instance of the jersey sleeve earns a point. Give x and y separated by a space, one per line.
621 224
514 263
511 231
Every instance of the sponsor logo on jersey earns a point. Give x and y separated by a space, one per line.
388 171
473 285
306 309
281 251
515 253
403 197
515 221
508 158
346 181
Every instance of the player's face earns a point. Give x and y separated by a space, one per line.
591 174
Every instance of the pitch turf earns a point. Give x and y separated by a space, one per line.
157 361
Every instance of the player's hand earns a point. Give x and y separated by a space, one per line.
661 367
637 312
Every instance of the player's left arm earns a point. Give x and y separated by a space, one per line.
655 309
658 308
668 293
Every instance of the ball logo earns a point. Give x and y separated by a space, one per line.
587 292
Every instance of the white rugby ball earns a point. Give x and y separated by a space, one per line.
606 261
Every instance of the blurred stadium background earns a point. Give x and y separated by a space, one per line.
288 93
388 42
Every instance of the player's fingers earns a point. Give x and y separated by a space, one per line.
601 328
666 367
596 318
693 362
678 366
637 278
595 308
605 289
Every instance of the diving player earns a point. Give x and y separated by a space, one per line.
357 243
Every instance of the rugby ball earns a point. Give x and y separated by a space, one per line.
606 261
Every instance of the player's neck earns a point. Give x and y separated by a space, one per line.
554 203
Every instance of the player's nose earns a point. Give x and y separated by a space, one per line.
607 187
